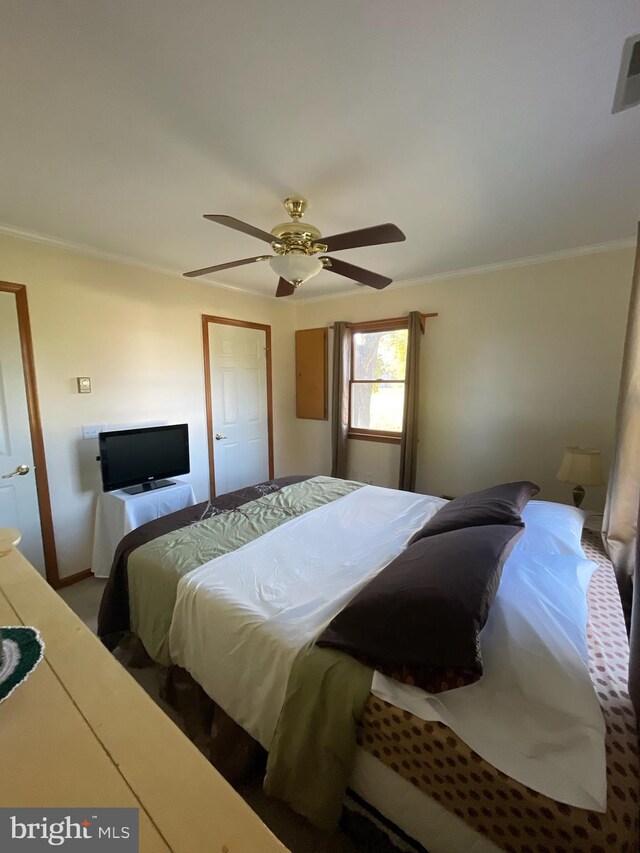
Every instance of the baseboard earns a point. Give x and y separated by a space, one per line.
71 579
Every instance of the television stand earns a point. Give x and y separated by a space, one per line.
118 513
148 487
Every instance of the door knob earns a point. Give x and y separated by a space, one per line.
219 436
21 470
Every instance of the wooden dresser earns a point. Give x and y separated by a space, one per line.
81 732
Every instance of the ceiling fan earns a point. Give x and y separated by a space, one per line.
299 249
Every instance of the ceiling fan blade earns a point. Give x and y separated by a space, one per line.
206 270
374 236
373 279
285 288
239 225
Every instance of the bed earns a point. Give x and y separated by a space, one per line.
417 777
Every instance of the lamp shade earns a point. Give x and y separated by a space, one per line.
295 268
581 466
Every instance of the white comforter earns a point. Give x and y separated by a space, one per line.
241 619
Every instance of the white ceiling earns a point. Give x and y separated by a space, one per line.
482 129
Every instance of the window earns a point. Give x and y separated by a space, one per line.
376 386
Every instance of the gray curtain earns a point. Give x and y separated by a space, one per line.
621 511
409 446
340 399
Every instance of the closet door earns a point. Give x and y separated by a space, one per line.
240 423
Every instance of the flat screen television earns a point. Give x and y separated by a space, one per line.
140 458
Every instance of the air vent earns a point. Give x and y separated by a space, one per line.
628 89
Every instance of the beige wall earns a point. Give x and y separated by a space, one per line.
519 363
137 334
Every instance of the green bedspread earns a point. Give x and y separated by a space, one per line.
314 746
154 569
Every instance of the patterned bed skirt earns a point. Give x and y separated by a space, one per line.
515 818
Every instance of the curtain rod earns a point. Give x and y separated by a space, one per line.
388 320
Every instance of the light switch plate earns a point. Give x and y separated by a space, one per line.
84 384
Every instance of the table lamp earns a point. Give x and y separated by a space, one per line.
582 467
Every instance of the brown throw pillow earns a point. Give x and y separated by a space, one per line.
497 505
420 618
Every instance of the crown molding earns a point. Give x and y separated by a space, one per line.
101 254
565 254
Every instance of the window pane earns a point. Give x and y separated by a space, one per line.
377 405
380 355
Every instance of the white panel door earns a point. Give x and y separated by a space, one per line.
18 497
238 374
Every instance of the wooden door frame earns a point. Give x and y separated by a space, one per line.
228 321
35 428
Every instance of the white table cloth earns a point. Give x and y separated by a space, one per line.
117 513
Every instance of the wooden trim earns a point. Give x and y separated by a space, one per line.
267 333
386 433
372 435
71 579
388 325
35 428
360 433
380 325
377 381
227 321
208 403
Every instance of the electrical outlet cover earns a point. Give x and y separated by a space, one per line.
92 430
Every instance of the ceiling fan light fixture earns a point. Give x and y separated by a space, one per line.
297 246
295 268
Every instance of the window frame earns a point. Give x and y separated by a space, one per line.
360 433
